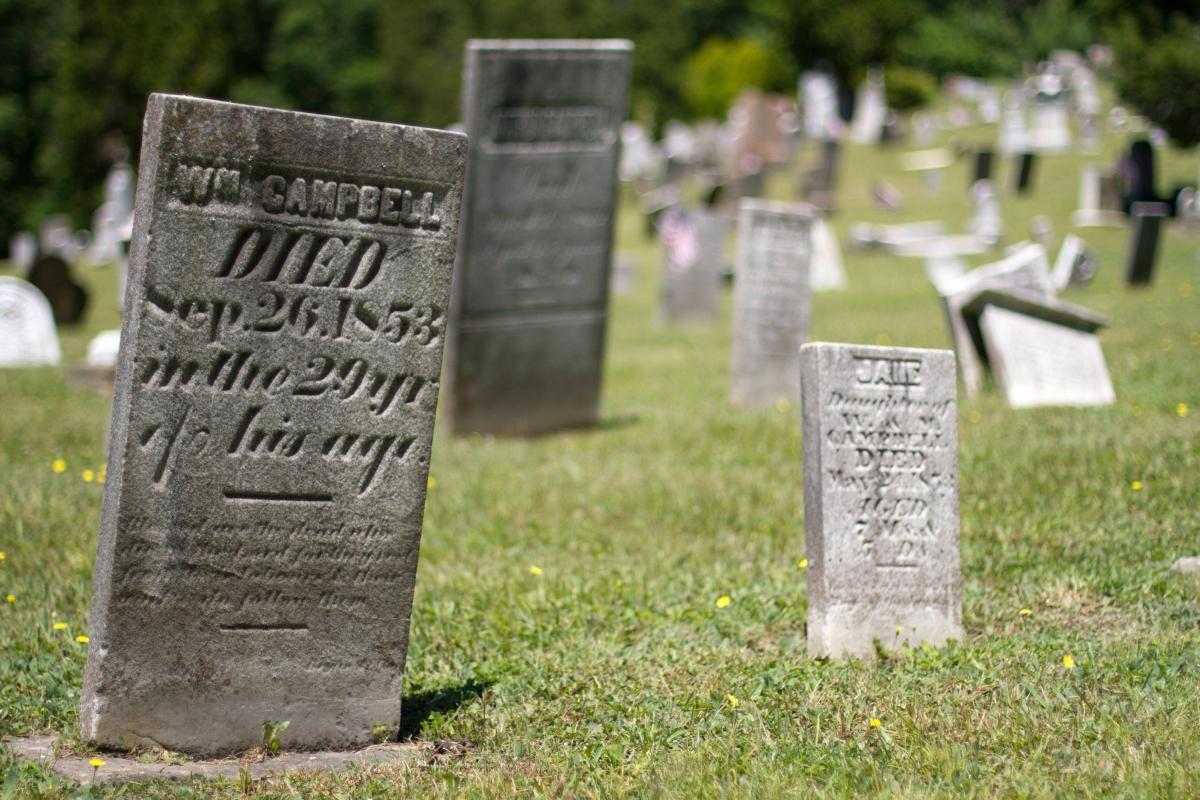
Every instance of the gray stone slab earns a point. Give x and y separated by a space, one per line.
117 769
1042 351
693 245
1188 565
772 301
1146 221
544 120
880 498
271 428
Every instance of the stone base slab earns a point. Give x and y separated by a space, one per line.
122 769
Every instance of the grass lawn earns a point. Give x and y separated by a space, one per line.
613 671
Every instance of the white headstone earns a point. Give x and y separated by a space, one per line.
27 334
103 349
827 271
870 109
22 251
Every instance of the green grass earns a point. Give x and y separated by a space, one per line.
609 672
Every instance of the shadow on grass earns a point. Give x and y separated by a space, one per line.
416 709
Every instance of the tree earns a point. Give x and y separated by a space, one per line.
720 69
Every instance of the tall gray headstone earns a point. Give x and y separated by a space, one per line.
1146 220
880 498
530 308
271 427
772 301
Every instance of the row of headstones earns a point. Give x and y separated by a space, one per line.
272 423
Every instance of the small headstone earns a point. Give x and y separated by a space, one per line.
818 96
272 428
693 248
870 109
22 251
1014 133
827 273
986 222
1024 173
1099 201
103 349
772 301
1042 351
52 276
1146 227
27 334
880 498
526 347
982 168
1075 264
56 237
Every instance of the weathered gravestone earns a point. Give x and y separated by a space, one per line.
27 335
52 276
272 427
982 167
1023 175
1146 220
1099 199
880 497
1075 264
772 301
1043 351
693 245
530 308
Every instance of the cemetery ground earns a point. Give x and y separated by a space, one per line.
621 610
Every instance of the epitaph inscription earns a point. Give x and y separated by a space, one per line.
880 497
772 301
272 427
531 290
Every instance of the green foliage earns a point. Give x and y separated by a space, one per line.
271 732
978 40
908 88
1158 70
1056 25
720 69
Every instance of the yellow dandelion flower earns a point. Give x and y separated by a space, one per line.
875 722
802 563
1068 662
975 416
732 700
1136 486
1025 612
431 482
81 639
899 629
88 476
535 570
10 598
2 555
59 466
782 405
60 626
723 601
1181 409
96 763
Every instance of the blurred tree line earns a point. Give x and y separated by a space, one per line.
74 74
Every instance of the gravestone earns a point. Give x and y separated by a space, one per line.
818 96
1042 351
880 498
1099 199
1075 264
818 182
22 250
1014 132
870 109
27 335
986 221
271 429
1147 220
1023 176
693 246
982 168
52 276
526 346
827 273
772 301
1027 267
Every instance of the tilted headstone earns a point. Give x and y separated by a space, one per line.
27 334
1042 351
526 346
271 428
880 498
1075 264
693 244
1146 228
772 301
1026 268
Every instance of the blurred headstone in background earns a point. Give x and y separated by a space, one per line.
27 334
